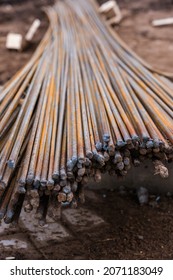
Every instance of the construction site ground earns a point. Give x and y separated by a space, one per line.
111 224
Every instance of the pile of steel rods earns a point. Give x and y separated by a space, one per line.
83 105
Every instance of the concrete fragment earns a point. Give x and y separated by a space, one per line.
40 235
17 246
81 219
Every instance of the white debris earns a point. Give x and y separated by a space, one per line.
15 243
106 6
140 237
14 41
162 22
10 258
17 42
112 11
30 34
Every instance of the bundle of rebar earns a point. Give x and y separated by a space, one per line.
83 105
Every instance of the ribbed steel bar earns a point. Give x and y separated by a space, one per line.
84 104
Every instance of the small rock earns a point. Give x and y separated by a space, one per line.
158 198
142 194
140 237
169 194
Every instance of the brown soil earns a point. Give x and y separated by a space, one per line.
133 232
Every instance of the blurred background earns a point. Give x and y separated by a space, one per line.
152 44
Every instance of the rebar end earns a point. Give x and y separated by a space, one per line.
11 164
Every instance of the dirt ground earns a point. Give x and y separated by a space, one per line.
131 231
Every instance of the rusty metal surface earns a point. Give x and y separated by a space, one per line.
83 105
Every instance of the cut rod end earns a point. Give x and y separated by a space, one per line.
36 183
43 182
120 143
99 146
149 144
55 176
11 163
81 159
50 184
21 189
30 179
9 216
111 150
135 138
106 137
128 141
89 154
22 182
145 138
63 175
156 143
71 164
